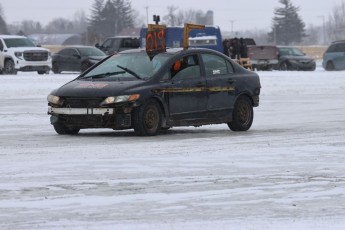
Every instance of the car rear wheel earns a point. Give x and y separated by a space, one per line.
9 68
63 130
242 115
330 66
147 119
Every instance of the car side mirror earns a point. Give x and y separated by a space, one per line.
97 45
77 56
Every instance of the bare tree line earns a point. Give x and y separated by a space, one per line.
332 27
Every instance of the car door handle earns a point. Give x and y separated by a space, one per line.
231 81
200 84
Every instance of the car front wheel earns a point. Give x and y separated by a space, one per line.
242 115
330 66
147 119
55 68
63 130
9 67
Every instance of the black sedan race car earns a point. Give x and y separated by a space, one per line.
76 58
132 90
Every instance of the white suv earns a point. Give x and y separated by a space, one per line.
19 53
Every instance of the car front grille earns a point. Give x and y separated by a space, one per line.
82 102
36 55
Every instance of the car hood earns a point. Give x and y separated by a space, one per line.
97 57
23 49
87 89
298 58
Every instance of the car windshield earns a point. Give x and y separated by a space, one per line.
291 52
18 42
128 66
91 51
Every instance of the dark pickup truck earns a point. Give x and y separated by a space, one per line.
263 57
117 44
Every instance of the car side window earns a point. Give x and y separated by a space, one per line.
333 48
216 65
341 47
186 67
73 52
130 43
65 52
1 46
107 43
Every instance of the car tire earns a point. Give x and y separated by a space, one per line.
242 114
43 72
55 68
63 130
147 119
283 66
313 68
84 66
9 68
330 66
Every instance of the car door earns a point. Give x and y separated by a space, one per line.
339 59
220 83
186 96
63 59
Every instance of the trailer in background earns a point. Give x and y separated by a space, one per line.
210 38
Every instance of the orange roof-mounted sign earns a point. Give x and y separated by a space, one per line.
155 39
187 29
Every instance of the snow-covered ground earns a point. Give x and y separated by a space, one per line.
286 172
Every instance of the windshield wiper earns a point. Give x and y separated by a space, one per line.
103 75
130 72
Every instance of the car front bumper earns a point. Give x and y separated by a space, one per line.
90 118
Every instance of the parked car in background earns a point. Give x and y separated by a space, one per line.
117 44
76 58
292 58
177 87
19 53
334 57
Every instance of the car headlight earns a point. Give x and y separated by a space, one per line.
119 99
55 100
18 54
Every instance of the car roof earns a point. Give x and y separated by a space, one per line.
171 51
79 46
12 36
340 41
288 47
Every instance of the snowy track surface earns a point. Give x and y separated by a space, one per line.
287 172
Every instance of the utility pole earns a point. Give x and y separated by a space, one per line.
232 26
323 29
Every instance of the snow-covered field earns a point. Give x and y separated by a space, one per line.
287 172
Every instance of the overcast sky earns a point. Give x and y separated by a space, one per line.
245 14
